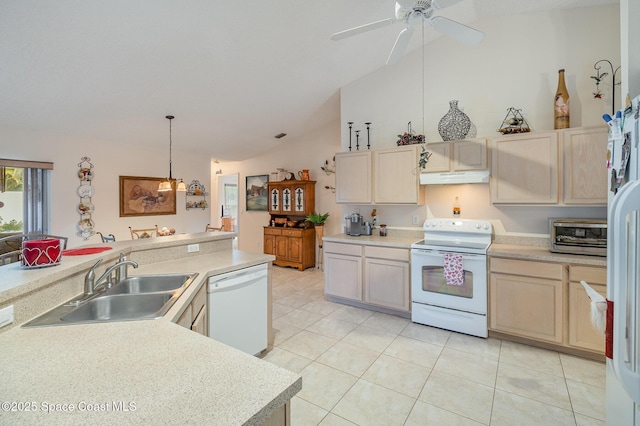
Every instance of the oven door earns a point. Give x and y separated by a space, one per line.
428 284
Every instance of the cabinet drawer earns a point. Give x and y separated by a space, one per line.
292 232
526 268
272 231
591 274
200 299
339 248
387 253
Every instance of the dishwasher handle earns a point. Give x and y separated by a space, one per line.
236 279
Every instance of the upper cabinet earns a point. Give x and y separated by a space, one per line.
565 167
353 177
463 155
524 169
292 197
384 176
584 172
396 177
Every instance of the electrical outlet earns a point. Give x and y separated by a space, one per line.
6 316
192 248
415 219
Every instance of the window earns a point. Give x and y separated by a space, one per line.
231 199
25 203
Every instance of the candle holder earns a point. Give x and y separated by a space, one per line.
368 134
350 123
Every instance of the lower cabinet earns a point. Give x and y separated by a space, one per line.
373 275
545 302
291 246
194 316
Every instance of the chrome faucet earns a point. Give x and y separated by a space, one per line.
90 282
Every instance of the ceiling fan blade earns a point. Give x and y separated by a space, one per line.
362 28
401 45
456 30
441 4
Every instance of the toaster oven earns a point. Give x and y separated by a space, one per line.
578 236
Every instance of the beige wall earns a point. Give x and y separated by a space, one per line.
516 65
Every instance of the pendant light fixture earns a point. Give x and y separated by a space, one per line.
167 185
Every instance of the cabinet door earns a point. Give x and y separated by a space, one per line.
269 244
584 166
526 306
386 283
274 199
199 324
524 169
343 276
440 160
353 177
286 200
470 154
185 319
581 333
294 250
282 247
396 175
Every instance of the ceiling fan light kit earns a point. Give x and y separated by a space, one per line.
414 13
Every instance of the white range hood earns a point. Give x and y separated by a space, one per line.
474 176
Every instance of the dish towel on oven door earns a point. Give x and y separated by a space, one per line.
453 269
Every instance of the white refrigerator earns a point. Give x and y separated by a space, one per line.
623 267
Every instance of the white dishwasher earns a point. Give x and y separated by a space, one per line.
238 308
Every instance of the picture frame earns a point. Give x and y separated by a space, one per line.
257 197
139 196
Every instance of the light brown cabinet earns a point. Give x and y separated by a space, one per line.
373 275
584 171
292 197
526 299
291 246
383 176
194 316
463 155
524 169
581 333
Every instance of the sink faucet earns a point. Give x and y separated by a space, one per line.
90 282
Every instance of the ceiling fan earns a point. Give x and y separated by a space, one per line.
414 13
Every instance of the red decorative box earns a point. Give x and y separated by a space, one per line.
40 253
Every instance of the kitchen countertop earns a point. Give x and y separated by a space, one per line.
543 254
168 373
373 240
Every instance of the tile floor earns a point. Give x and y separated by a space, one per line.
360 367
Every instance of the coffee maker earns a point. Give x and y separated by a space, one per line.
355 225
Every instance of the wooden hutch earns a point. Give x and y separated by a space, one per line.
291 201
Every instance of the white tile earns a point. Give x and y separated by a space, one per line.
582 420
425 333
487 348
369 404
297 299
370 338
279 310
307 344
584 370
333 420
282 331
510 409
429 415
300 318
467 366
332 327
285 359
398 375
321 306
414 351
349 358
532 358
324 386
461 396
389 323
531 384
306 413
587 400
351 314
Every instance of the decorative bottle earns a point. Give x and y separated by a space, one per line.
456 208
561 104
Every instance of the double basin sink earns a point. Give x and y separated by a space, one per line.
133 298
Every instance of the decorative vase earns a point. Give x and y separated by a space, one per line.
561 116
319 233
455 124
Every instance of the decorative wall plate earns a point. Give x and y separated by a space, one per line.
86 191
85 207
85 173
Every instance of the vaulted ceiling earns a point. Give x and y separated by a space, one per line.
234 74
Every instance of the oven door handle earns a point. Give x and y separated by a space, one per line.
441 253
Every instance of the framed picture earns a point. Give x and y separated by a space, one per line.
139 196
257 197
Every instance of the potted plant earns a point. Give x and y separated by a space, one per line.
318 221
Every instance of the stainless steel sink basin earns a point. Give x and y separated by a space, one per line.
150 283
134 298
120 307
